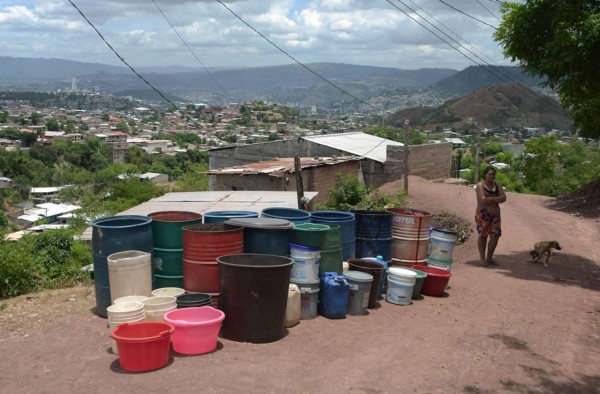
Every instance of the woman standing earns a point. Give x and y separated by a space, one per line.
489 197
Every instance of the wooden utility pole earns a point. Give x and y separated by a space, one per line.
476 174
299 183
406 150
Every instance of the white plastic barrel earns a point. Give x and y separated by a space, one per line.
401 283
129 273
442 243
306 262
293 309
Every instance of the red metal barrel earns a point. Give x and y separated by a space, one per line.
202 244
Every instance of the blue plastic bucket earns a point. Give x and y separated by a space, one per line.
347 224
296 216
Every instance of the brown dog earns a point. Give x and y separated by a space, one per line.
543 248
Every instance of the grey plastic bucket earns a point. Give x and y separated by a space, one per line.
360 289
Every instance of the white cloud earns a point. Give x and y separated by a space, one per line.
346 31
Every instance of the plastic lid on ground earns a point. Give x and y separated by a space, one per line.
264 223
358 276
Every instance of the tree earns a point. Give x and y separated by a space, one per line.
559 40
52 125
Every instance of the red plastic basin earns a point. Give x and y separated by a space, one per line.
436 281
143 346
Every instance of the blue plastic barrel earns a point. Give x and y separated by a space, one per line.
114 234
223 216
294 215
374 234
347 224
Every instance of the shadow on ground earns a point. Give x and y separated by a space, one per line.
550 380
564 269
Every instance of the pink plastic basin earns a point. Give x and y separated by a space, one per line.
196 329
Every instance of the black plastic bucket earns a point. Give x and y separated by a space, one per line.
254 292
193 300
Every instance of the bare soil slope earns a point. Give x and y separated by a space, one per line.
518 327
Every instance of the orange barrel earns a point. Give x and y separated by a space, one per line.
410 231
202 245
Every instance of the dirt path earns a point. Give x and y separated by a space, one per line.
518 327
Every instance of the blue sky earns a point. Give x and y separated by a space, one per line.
368 32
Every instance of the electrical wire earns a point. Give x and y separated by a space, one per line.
192 52
487 9
470 16
296 60
129 66
500 75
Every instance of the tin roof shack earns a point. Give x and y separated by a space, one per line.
318 175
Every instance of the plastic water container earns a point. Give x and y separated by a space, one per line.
196 329
333 295
359 291
306 262
143 346
401 283
124 312
442 243
309 298
293 308
156 307
445 264
129 273
131 298
168 291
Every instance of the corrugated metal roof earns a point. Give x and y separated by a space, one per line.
279 167
356 143
201 202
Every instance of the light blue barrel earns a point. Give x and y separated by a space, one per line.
347 224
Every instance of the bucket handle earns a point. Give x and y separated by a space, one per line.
164 333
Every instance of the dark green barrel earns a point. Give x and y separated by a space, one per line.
331 252
167 258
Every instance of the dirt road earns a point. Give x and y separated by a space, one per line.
518 327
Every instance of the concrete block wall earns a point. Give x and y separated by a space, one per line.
429 161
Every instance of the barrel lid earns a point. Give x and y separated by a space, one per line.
402 272
359 276
266 223
444 230
305 281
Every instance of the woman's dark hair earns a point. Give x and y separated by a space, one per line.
488 169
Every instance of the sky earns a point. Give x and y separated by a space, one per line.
204 33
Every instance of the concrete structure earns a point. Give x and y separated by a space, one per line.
117 145
318 175
381 159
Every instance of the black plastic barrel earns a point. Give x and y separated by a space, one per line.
114 234
254 292
374 234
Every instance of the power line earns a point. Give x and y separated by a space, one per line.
500 75
296 60
127 64
470 16
191 51
487 9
